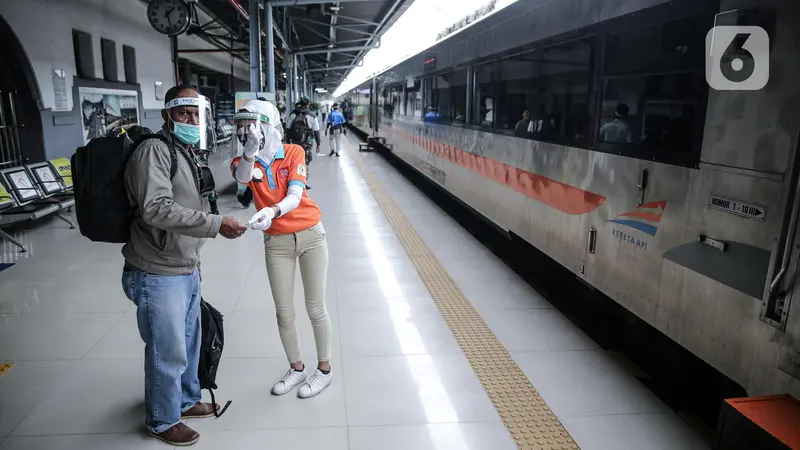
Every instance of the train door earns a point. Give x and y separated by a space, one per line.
783 284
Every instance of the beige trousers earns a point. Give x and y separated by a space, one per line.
335 138
282 253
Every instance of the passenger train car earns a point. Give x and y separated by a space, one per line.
680 205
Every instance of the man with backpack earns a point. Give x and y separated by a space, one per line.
303 129
161 276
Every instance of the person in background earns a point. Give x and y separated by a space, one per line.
302 107
432 115
293 235
324 111
521 129
161 274
336 123
304 139
618 131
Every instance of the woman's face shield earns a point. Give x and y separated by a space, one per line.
251 129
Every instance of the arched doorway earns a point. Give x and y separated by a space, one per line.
21 138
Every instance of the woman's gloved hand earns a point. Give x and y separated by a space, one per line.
251 140
262 220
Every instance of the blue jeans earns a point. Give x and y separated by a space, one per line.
168 314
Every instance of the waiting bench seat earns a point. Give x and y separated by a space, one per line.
34 191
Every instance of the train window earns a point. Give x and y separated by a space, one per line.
655 112
459 95
413 104
391 104
654 92
561 108
441 106
517 91
427 95
675 45
484 99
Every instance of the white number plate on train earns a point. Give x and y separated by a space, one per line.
744 209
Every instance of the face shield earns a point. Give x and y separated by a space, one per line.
208 137
258 130
192 119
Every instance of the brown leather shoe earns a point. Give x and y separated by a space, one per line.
200 411
179 435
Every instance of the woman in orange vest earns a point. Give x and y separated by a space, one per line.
290 220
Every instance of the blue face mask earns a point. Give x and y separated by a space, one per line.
188 134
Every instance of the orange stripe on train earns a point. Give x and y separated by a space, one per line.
555 194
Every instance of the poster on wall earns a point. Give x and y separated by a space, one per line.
226 106
104 109
244 97
60 97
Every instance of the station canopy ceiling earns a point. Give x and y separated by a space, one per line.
338 33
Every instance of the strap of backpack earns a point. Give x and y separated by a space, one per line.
173 154
214 405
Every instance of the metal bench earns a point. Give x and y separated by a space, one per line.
32 192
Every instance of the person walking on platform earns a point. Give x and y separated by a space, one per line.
336 124
162 266
304 129
293 233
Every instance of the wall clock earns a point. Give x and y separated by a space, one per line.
170 17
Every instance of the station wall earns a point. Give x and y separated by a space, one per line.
44 29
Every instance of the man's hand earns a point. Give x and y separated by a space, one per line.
231 228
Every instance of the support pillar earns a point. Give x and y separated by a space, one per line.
470 90
270 50
255 47
297 86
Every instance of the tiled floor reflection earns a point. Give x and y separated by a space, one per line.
400 379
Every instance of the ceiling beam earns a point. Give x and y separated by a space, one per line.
348 41
378 31
337 49
353 30
356 19
330 69
306 2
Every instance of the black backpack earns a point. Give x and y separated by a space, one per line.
101 200
299 132
211 345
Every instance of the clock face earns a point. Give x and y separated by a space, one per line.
170 17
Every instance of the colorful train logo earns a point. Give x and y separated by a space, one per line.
645 218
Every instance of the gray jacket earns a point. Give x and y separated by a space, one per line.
170 223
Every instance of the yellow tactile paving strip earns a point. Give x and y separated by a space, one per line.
4 368
526 416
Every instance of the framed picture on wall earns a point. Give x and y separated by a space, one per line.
104 109
46 178
21 185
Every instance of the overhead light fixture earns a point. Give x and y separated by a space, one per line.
336 8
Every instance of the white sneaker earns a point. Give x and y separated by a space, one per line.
289 381
315 384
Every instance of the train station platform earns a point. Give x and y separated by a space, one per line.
438 345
